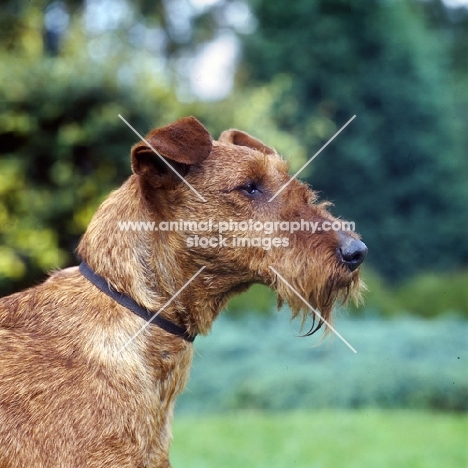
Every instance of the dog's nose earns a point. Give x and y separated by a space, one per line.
352 251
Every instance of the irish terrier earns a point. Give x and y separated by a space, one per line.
88 374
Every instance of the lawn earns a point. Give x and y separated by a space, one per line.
322 439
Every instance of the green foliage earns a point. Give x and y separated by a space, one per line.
427 295
252 110
430 295
63 147
258 299
22 25
399 171
403 175
332 439
379 298
258 363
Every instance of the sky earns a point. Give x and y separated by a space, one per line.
449 3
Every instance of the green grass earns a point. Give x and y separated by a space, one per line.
322 439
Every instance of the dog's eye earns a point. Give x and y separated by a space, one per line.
250 189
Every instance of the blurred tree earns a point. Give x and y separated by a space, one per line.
398 171
451 24
316 63
63 147
180 25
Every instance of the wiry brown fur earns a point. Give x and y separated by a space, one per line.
70 396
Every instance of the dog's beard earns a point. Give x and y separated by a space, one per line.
335 291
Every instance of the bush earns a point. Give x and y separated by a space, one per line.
258 363
429 295
257 300
63 149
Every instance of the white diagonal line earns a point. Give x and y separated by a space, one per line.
161 309
312 158
315 311
162 159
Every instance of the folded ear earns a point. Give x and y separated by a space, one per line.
236 137
182 144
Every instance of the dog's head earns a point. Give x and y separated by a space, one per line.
231 207
258 214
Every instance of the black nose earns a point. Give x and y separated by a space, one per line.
352 251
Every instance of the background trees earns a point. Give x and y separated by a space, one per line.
400 170
302 69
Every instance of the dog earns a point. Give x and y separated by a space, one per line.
92 360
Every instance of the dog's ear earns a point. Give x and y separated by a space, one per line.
182 144
236 137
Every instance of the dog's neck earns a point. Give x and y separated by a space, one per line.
146 270
153 317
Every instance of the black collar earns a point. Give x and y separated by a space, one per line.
130 304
